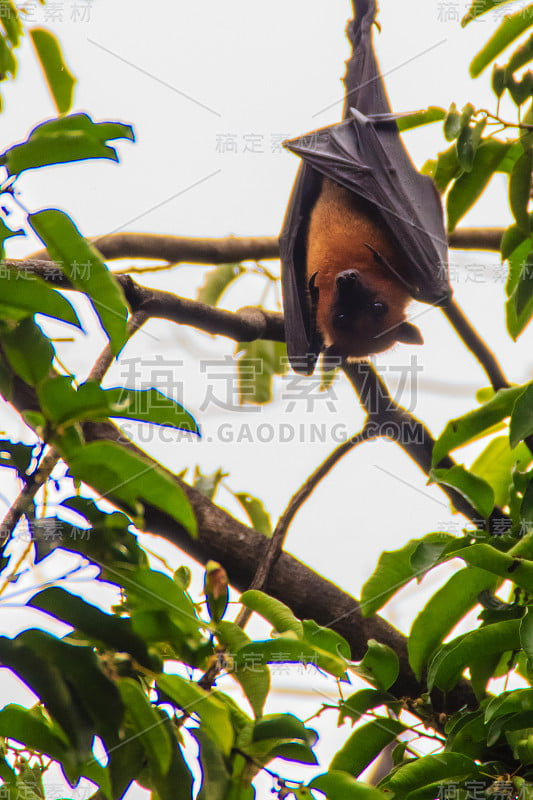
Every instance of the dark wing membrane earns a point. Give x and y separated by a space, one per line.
303 346
369 159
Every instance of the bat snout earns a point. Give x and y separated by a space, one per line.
348 280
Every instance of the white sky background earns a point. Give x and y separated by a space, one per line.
184 75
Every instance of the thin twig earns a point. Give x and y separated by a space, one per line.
275 545
106 357
25 497
473 341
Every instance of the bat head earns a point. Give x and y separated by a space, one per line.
362 313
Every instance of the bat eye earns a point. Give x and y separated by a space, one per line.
380 309
341 321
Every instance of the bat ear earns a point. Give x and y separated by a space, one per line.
409 333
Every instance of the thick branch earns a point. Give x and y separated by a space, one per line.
240 550
245 325
230 249
183 249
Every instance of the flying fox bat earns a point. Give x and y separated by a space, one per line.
364 231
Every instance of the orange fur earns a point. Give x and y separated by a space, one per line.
340 227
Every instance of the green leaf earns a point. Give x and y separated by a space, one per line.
10 19
274 611
464 429
293 751
362 701
214 717
480 7
217 281
215 775
7 233
118 473
100 775
58 141
47 681
115 632
149 590
380 665
83 672
177 783
519 307
521 90
509 703
467 144
58 76
325 639
8 62
285 650
521 56
83 267
518 252
467 734
255 683
444 169
526 507
526 635
522 417
470 185
496 464
394 570
16 455
30 727
282 726
147 724
452 659
443 612
512 238
477 491
430 551
341 786
520 189
498 80
256 513
257 363
415 119
22 295
27 349
364 744
64 405
510 29
452 124
428 770
85 270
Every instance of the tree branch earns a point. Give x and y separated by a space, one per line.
275 545
240 550
473 341
230 249
389 420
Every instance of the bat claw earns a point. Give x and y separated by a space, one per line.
313 288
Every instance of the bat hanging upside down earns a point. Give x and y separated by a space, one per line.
358 300
364 231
